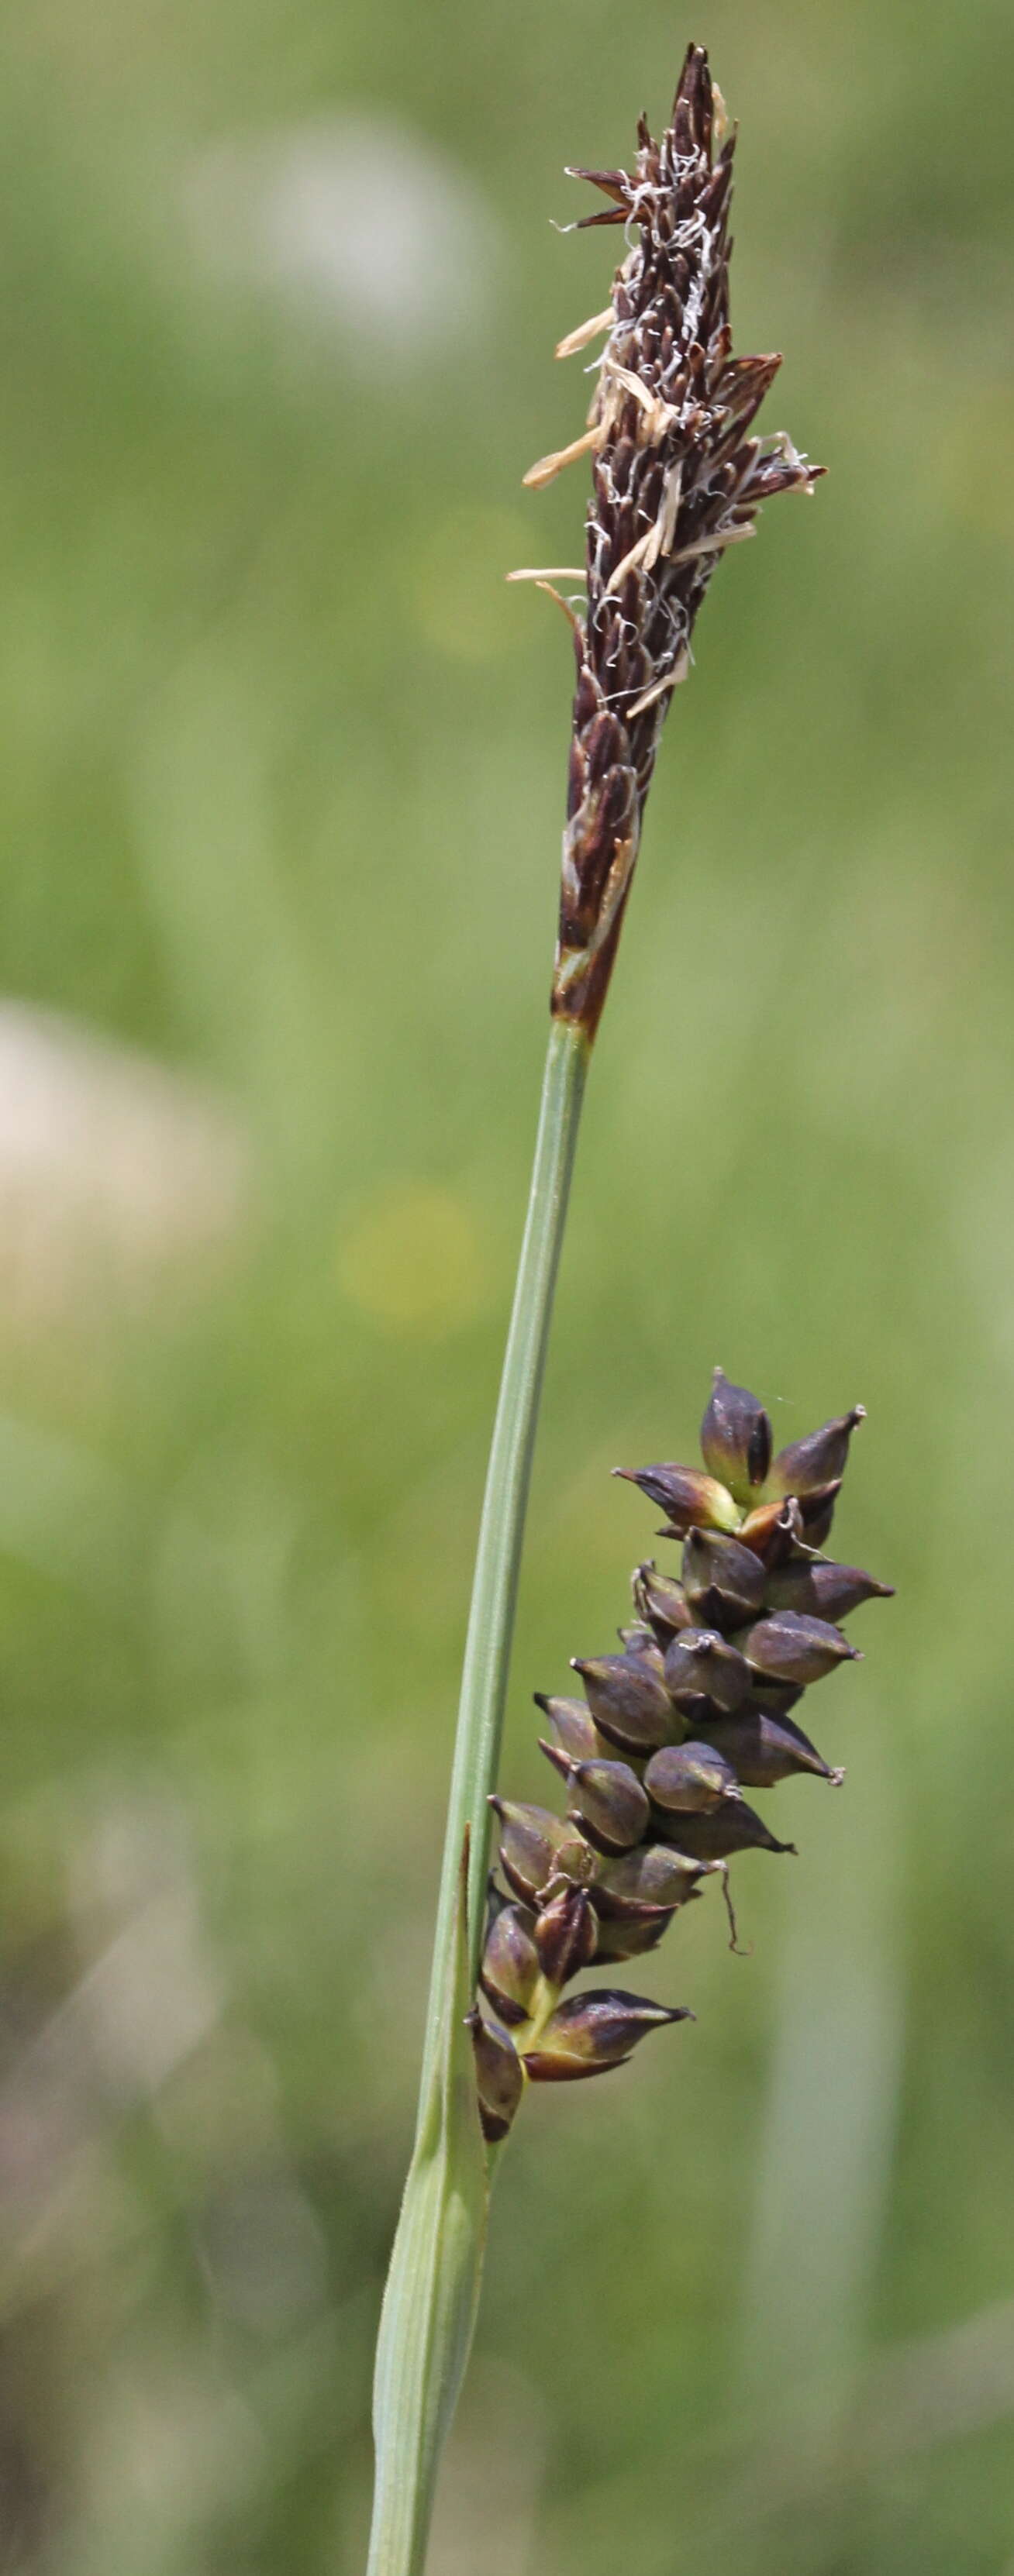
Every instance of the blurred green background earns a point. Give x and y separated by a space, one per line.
281 780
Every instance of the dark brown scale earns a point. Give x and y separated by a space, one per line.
603 746
714 197
590 223
623 535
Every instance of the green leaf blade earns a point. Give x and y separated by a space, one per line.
432 2292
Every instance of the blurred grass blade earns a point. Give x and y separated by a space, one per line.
432 2289
433 2283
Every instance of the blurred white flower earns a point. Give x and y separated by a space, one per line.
363 228
113 1170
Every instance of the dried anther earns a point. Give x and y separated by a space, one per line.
677 479
659 1751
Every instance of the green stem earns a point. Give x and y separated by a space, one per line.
501 1530
429 2304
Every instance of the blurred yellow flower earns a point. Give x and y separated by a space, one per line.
456 583
414 1260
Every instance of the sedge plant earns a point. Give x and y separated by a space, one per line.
657 1752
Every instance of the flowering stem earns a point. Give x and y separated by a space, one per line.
432 2289
495 1582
